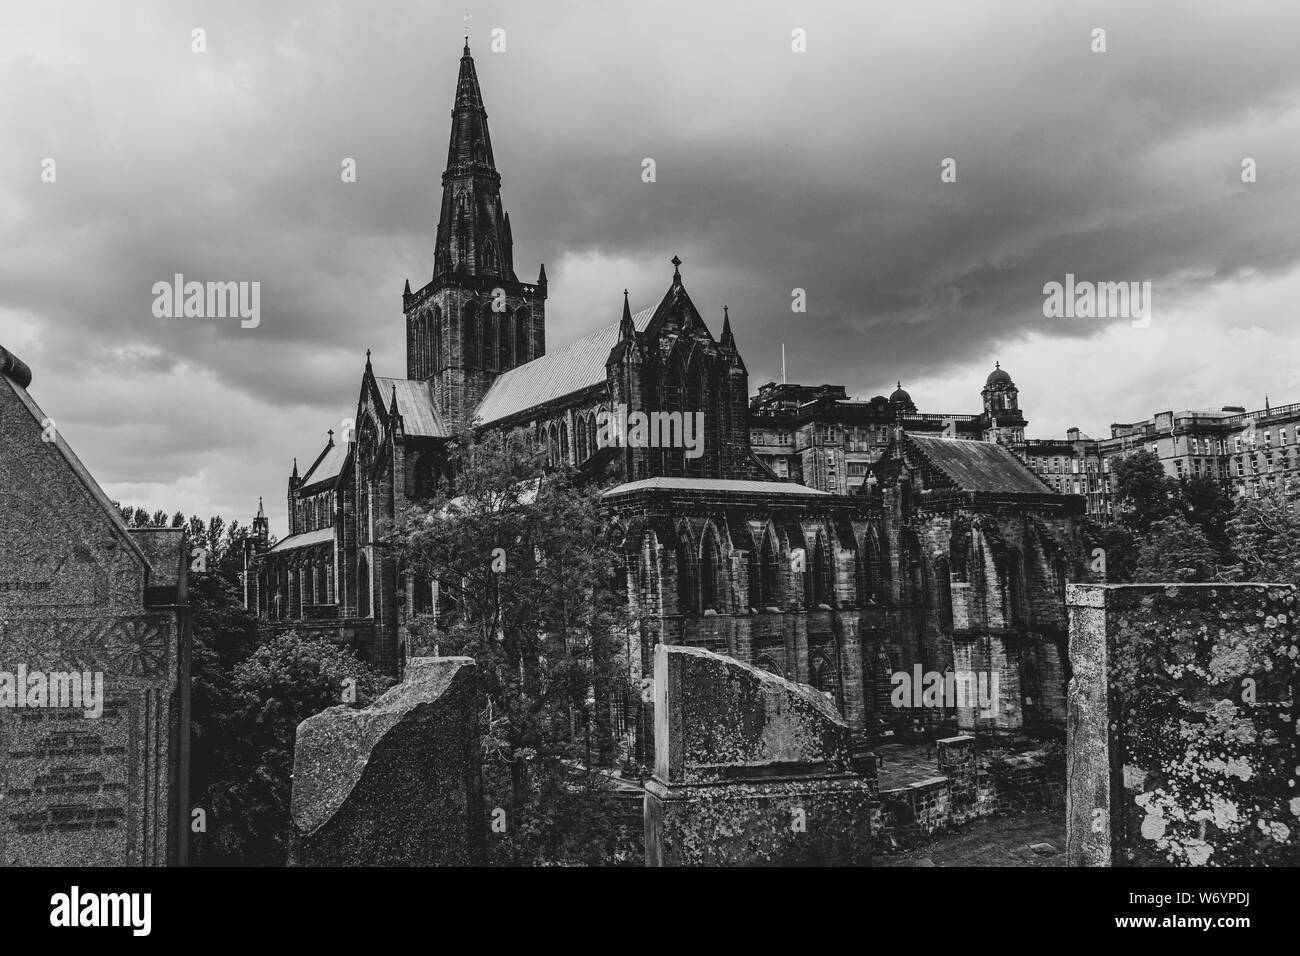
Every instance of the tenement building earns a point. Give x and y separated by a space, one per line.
905 544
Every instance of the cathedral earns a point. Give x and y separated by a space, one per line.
949 555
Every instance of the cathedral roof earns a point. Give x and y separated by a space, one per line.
579 365
739 486
328 464
307 538
420 416
979 466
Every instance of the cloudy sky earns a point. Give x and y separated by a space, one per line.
776 170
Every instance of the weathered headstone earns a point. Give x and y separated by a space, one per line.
397 783
1183 745
88 609
750 769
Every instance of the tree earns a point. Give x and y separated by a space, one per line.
1204 501
1265 535
279 685
1143 491
1119 551
1176 550
528 585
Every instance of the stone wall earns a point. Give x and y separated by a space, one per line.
1182 738
750 769
968 785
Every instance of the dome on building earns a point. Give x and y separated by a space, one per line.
879 400
998 376
900 395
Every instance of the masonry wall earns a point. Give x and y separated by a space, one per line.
1182 741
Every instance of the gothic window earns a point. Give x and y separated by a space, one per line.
823 673
694 402
469 334
564 442
522 335
819 583
434 361
306 582
489 328
764 579
685 573
710 566
363 587
503 341
581 436
673 402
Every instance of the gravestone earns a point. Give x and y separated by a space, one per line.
82 595
750 770
396 783
1183 746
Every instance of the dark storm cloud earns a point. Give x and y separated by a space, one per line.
775 171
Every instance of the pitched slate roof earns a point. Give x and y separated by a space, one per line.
415 404
981 466
319 536
719 484
328 464
578 365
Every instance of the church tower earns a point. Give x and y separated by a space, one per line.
474 319
1002 419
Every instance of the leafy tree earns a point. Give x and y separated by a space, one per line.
1265 535
527 585
280 684
1176 550
1119 547
1143 492
1205 502
223 635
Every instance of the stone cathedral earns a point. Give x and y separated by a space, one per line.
952 557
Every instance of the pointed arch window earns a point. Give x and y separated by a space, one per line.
685 576
522 330
363 587
469 334
710 569
764 578
820 582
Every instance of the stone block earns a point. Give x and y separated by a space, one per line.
751 769
397 783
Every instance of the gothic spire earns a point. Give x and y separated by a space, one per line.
728 340
473 235
626 330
